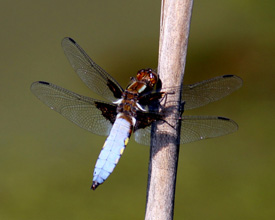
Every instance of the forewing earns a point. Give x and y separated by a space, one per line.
79 109
194 128
202 93
98 80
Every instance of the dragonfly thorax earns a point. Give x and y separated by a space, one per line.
128 104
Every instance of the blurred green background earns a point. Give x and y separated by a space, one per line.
46 162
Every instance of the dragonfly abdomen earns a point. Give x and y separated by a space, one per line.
112 150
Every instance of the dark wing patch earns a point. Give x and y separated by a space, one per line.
145 119
149 98
107 110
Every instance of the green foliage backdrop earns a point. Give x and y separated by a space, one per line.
46 162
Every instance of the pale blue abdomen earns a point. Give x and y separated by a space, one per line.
112 150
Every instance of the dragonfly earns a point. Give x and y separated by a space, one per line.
126 111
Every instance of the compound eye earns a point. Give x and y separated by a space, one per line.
140 74
153 79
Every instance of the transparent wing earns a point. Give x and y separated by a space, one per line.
79 109
202 93
194 128
98 80
143 135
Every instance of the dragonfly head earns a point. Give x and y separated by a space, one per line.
148 76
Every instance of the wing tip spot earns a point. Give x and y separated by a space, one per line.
227 76
72 40
45 83
223 118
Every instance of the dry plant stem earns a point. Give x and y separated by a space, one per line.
174 32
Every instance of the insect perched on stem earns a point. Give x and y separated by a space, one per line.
127 110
